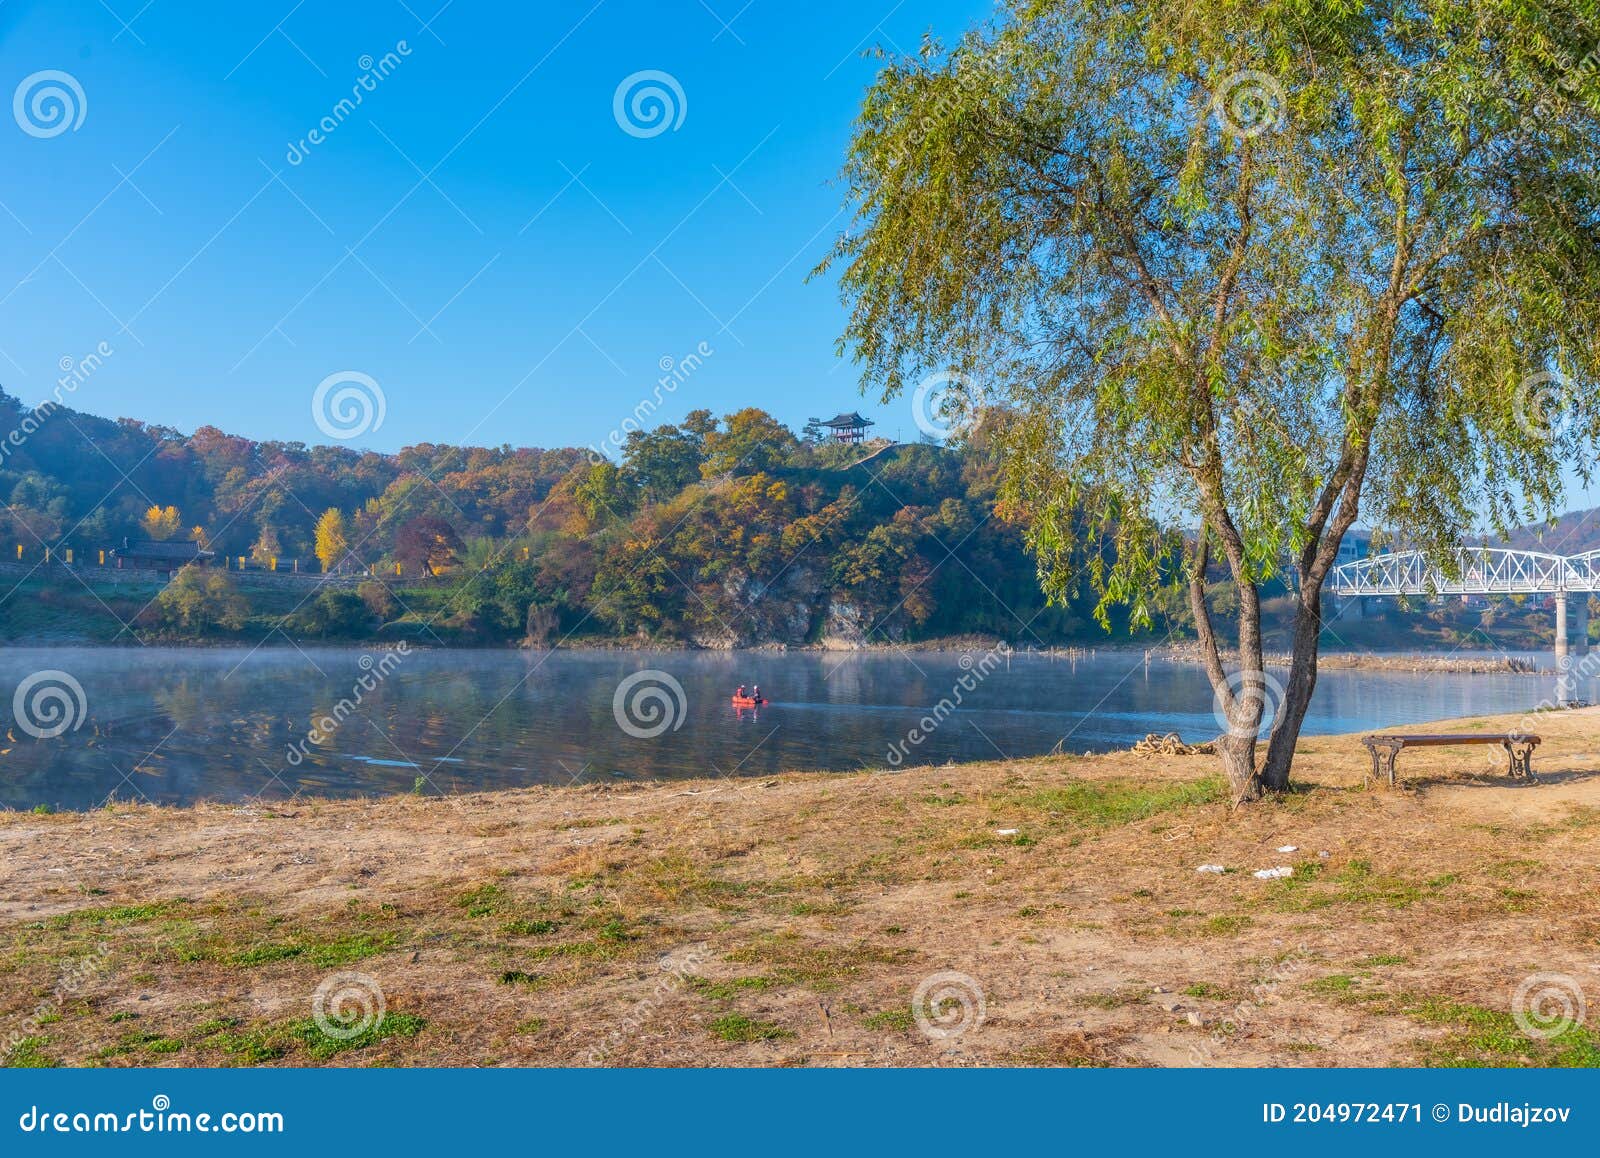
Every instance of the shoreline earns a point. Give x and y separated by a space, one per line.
1400 659
799 914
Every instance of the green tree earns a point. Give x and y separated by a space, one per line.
750 442
604 492
1249 269
665 460
198 600
336 611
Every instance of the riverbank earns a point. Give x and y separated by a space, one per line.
1400 661
791 921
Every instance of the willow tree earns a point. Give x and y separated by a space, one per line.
1245 271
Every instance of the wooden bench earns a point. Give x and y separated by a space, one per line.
1385 747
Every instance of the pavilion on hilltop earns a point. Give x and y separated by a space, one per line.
848 428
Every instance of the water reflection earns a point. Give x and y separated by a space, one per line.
179 725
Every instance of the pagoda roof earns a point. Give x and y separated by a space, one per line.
851 419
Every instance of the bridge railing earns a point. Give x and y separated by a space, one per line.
1476 571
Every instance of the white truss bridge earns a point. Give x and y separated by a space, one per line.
1475 571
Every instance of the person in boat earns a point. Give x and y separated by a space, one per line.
739 695
755 693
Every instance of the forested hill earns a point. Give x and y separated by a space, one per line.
730 531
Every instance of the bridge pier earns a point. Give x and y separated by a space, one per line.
1561 629
1581 624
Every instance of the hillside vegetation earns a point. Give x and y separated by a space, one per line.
727 532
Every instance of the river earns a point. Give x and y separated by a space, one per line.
178 725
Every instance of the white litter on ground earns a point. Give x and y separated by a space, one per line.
1273 874
1289 848
1211 868
1006 832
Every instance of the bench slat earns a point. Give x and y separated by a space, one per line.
1441 739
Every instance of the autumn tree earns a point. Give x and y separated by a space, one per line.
1247 270
160 522
428 544
332 538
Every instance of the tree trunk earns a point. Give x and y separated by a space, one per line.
1297 693
1238 755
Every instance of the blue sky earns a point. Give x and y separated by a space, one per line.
479 235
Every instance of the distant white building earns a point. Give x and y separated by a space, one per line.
1356 544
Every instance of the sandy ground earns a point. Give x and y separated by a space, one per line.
1033 912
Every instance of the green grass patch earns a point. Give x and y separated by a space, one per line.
143 1043
738 1027
28 1054
1482 1037
1110 803
1312 887
1114 1000
483 900
119 914
321 1045
731 988
1378 959
1333 985
323 954
892 1019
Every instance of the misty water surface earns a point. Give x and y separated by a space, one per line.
180 725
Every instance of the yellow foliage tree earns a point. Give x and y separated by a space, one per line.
161 522
333 540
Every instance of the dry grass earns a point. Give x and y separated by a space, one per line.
790 922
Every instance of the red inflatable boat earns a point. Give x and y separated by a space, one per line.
748 701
